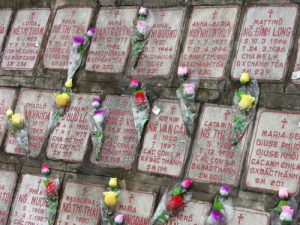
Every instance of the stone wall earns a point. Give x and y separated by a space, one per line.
258 35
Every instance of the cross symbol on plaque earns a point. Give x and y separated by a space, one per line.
32 16
39 96
270 13
39 183
85 190
162 15
73 13
117 13
131 197
284 121
173 109
214 14
227 113
241 217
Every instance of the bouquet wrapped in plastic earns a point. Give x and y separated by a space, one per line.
141 30
285 211
97 119
16 125
109 202
63 98
245 103
222 209
172 202
186 94
52 187
140 106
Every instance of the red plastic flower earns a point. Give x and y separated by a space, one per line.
175 202
51 188
140 98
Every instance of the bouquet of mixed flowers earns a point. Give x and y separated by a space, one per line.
245 103
172 202
140 106
63 98
52 187
222 210
109 202
285 210
16 125
141 29
97 119
186 93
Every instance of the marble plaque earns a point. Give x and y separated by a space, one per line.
5 15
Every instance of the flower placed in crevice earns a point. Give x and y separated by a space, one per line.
285 210
109 202
245 103
140 106
52 187
97 116
16 125
186 94
141 30
222 210
172 202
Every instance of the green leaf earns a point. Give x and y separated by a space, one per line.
177 191
239 94
217 205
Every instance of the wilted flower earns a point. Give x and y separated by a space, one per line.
143 11
99 116
142 27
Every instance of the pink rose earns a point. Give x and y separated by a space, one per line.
189 88
142 27
134 83
287 213
186 183
143 11
182 71
283 193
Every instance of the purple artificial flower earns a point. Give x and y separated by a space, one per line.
77 41
287 213
215 217
96 102
224 190
189 88
91 32
119 219
186 183
283 193
99 116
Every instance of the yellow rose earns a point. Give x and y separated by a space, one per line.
17 120
110 198
245 77
69 83
9 112
113 182
62 99
246 102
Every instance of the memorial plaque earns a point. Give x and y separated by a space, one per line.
208 41
68 142
7 186
274 153
30 202
80 204
244 216
137 207
36 107
194 213
68 23
166 141
120 136
7 97
160 52
214 159
265 40
110 45
25 39
5 15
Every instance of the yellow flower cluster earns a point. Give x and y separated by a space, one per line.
110 197
246 102
62 100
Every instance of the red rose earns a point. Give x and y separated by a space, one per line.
51 188
175 202
140 98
